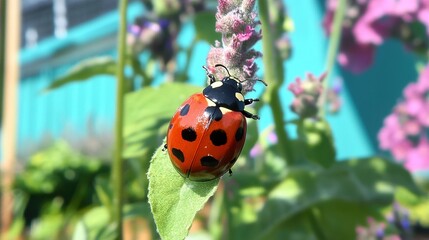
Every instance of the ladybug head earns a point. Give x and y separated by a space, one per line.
235 83
230 80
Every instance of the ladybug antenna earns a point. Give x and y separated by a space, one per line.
209 75
256 80
241 81
220 65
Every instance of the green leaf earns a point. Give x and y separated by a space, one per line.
175 200
95 224
53 167
339 219
147 113
297 227
103 188
80 231
420 213
370 180
204 23
318 141
85 70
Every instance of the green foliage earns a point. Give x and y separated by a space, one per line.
52 168
56 183
317 139
85 70
359 181
174 200
204 23
147 113
95 224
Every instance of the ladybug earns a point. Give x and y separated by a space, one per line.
208 131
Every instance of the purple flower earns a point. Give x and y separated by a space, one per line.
333 97
237 23
256 150
405 130
153 35
368 23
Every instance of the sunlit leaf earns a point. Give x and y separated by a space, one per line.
147 113
175 200
371 180
332 214
317 140
84 70
95 224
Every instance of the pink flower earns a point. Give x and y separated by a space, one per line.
405 131
368 23
356 57
418 157
307 93
236 21
256 150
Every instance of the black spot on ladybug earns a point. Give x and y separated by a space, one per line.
184 110
239 134
189 134
214 113
179 154
209 161
218 137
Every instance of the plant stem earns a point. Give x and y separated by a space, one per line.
2 51
273 69
315 224
334 43
117 172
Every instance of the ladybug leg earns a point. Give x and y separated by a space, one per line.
230 172
164 148
250 101
250 115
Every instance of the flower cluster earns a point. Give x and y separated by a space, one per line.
157 30
307 93
406 130
151 35
237 23
398 226
368 23
333 98
374 230
266 140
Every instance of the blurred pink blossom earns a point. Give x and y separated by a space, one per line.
368 23
307 93
406 130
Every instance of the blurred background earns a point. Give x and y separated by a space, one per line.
55 35
78 117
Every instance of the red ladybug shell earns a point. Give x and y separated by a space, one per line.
204 140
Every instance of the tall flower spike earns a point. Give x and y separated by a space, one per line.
235 20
